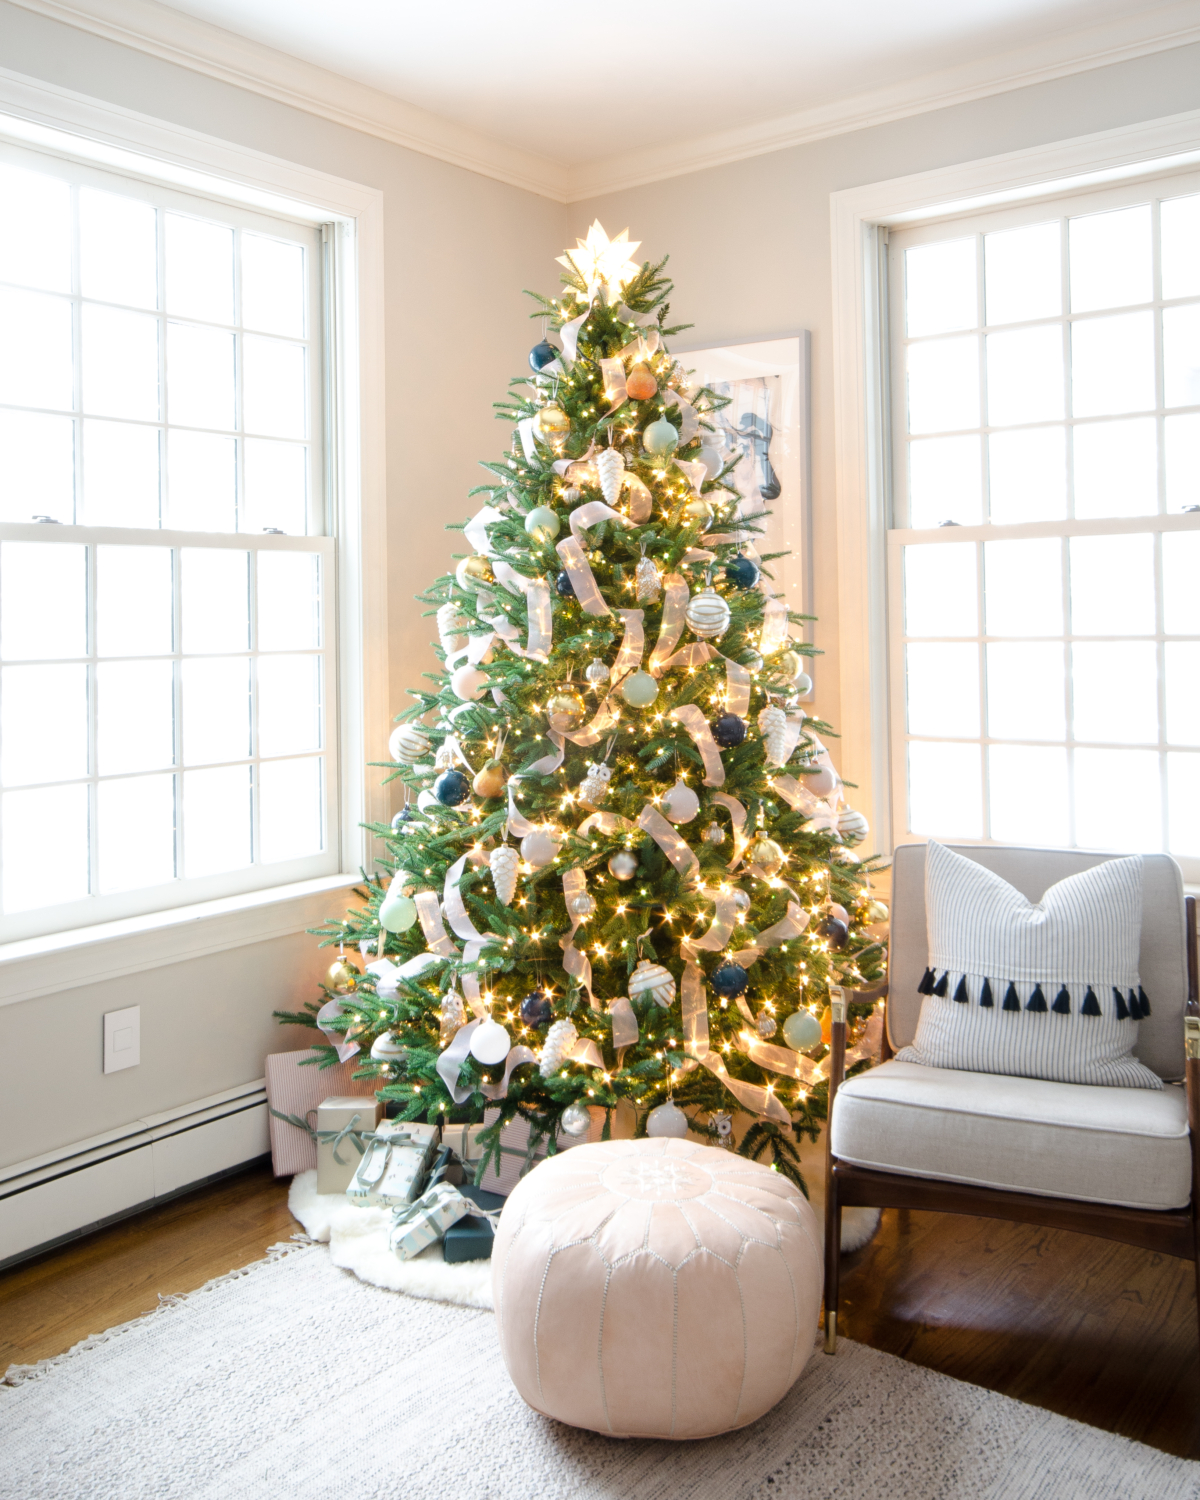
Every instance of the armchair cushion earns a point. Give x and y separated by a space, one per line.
1041 990
1060 1140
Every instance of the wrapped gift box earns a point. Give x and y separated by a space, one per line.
342 1121
515 1156
463 1140
392 1171
424 1222
295 1090
471 1237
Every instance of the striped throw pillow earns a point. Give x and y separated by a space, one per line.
1046 990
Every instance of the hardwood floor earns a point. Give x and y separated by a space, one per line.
116 1274
1102 1333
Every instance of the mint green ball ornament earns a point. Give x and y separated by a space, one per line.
542 523
639 690
802 1031
660 438
397 913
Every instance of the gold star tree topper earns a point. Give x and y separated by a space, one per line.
603 262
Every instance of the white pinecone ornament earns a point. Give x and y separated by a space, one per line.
450 626
649 584
609 467
594 786
655 980
561 1037
773 726
504 861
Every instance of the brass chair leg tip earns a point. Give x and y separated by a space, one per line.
831 1333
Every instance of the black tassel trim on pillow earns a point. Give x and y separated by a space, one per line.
985 995
1037 1001
1091 1006
1122 1009
1011 1002
1143 1001
1062 1002
926 985
1135 1007
960 993
941 988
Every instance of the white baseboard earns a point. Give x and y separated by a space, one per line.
79 1187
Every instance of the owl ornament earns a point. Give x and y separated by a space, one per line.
610 467
504 862
594 786
653 980
773 726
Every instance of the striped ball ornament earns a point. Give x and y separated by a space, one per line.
408 745
654 980
707 614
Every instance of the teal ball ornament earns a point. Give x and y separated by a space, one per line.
563 586
740 571
397 913
541 355
802 1031
639 690
660 438
729 731
542 524
451 788
729 980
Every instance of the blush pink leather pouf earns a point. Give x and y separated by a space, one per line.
656 1288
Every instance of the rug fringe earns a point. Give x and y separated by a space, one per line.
19 1374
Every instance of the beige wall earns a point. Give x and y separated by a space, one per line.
458 248
750 242
750 253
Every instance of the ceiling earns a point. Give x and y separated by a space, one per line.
575 99
576 82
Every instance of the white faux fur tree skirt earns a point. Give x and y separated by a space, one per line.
358 1239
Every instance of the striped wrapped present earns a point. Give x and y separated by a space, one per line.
297 1091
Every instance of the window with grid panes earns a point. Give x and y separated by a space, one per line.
1044 561
165 689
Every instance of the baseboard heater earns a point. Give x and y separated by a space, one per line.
78 1188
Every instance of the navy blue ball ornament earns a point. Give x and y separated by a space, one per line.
729 980
536 1010
834 931
741 572
563 586
542 355
451 788
402 817
729 731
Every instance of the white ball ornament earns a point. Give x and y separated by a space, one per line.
576 1120
490 1043
741 901
639 690
707 614
712 461
821 782
539 847
597 671
681 804
397 912
802 1031
387 1048
407 745
468 683
623 865
667 1120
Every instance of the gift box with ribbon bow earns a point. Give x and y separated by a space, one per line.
421 1224
295 1088
343 1125
391 1172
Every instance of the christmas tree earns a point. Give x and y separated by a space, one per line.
627 875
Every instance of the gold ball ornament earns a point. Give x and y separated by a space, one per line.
697 512
342 976
565 710
474 572
551 422
766 854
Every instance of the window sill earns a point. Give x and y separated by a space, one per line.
86 955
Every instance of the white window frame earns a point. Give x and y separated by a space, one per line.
860 219
350 217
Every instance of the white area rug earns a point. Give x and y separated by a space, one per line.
358 1239
292 1380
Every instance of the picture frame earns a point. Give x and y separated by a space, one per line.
769 421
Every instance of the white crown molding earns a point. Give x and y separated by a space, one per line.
181 39
223 55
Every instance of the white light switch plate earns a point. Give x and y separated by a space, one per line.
122 1039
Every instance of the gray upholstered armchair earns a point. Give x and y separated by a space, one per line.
1121 1163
